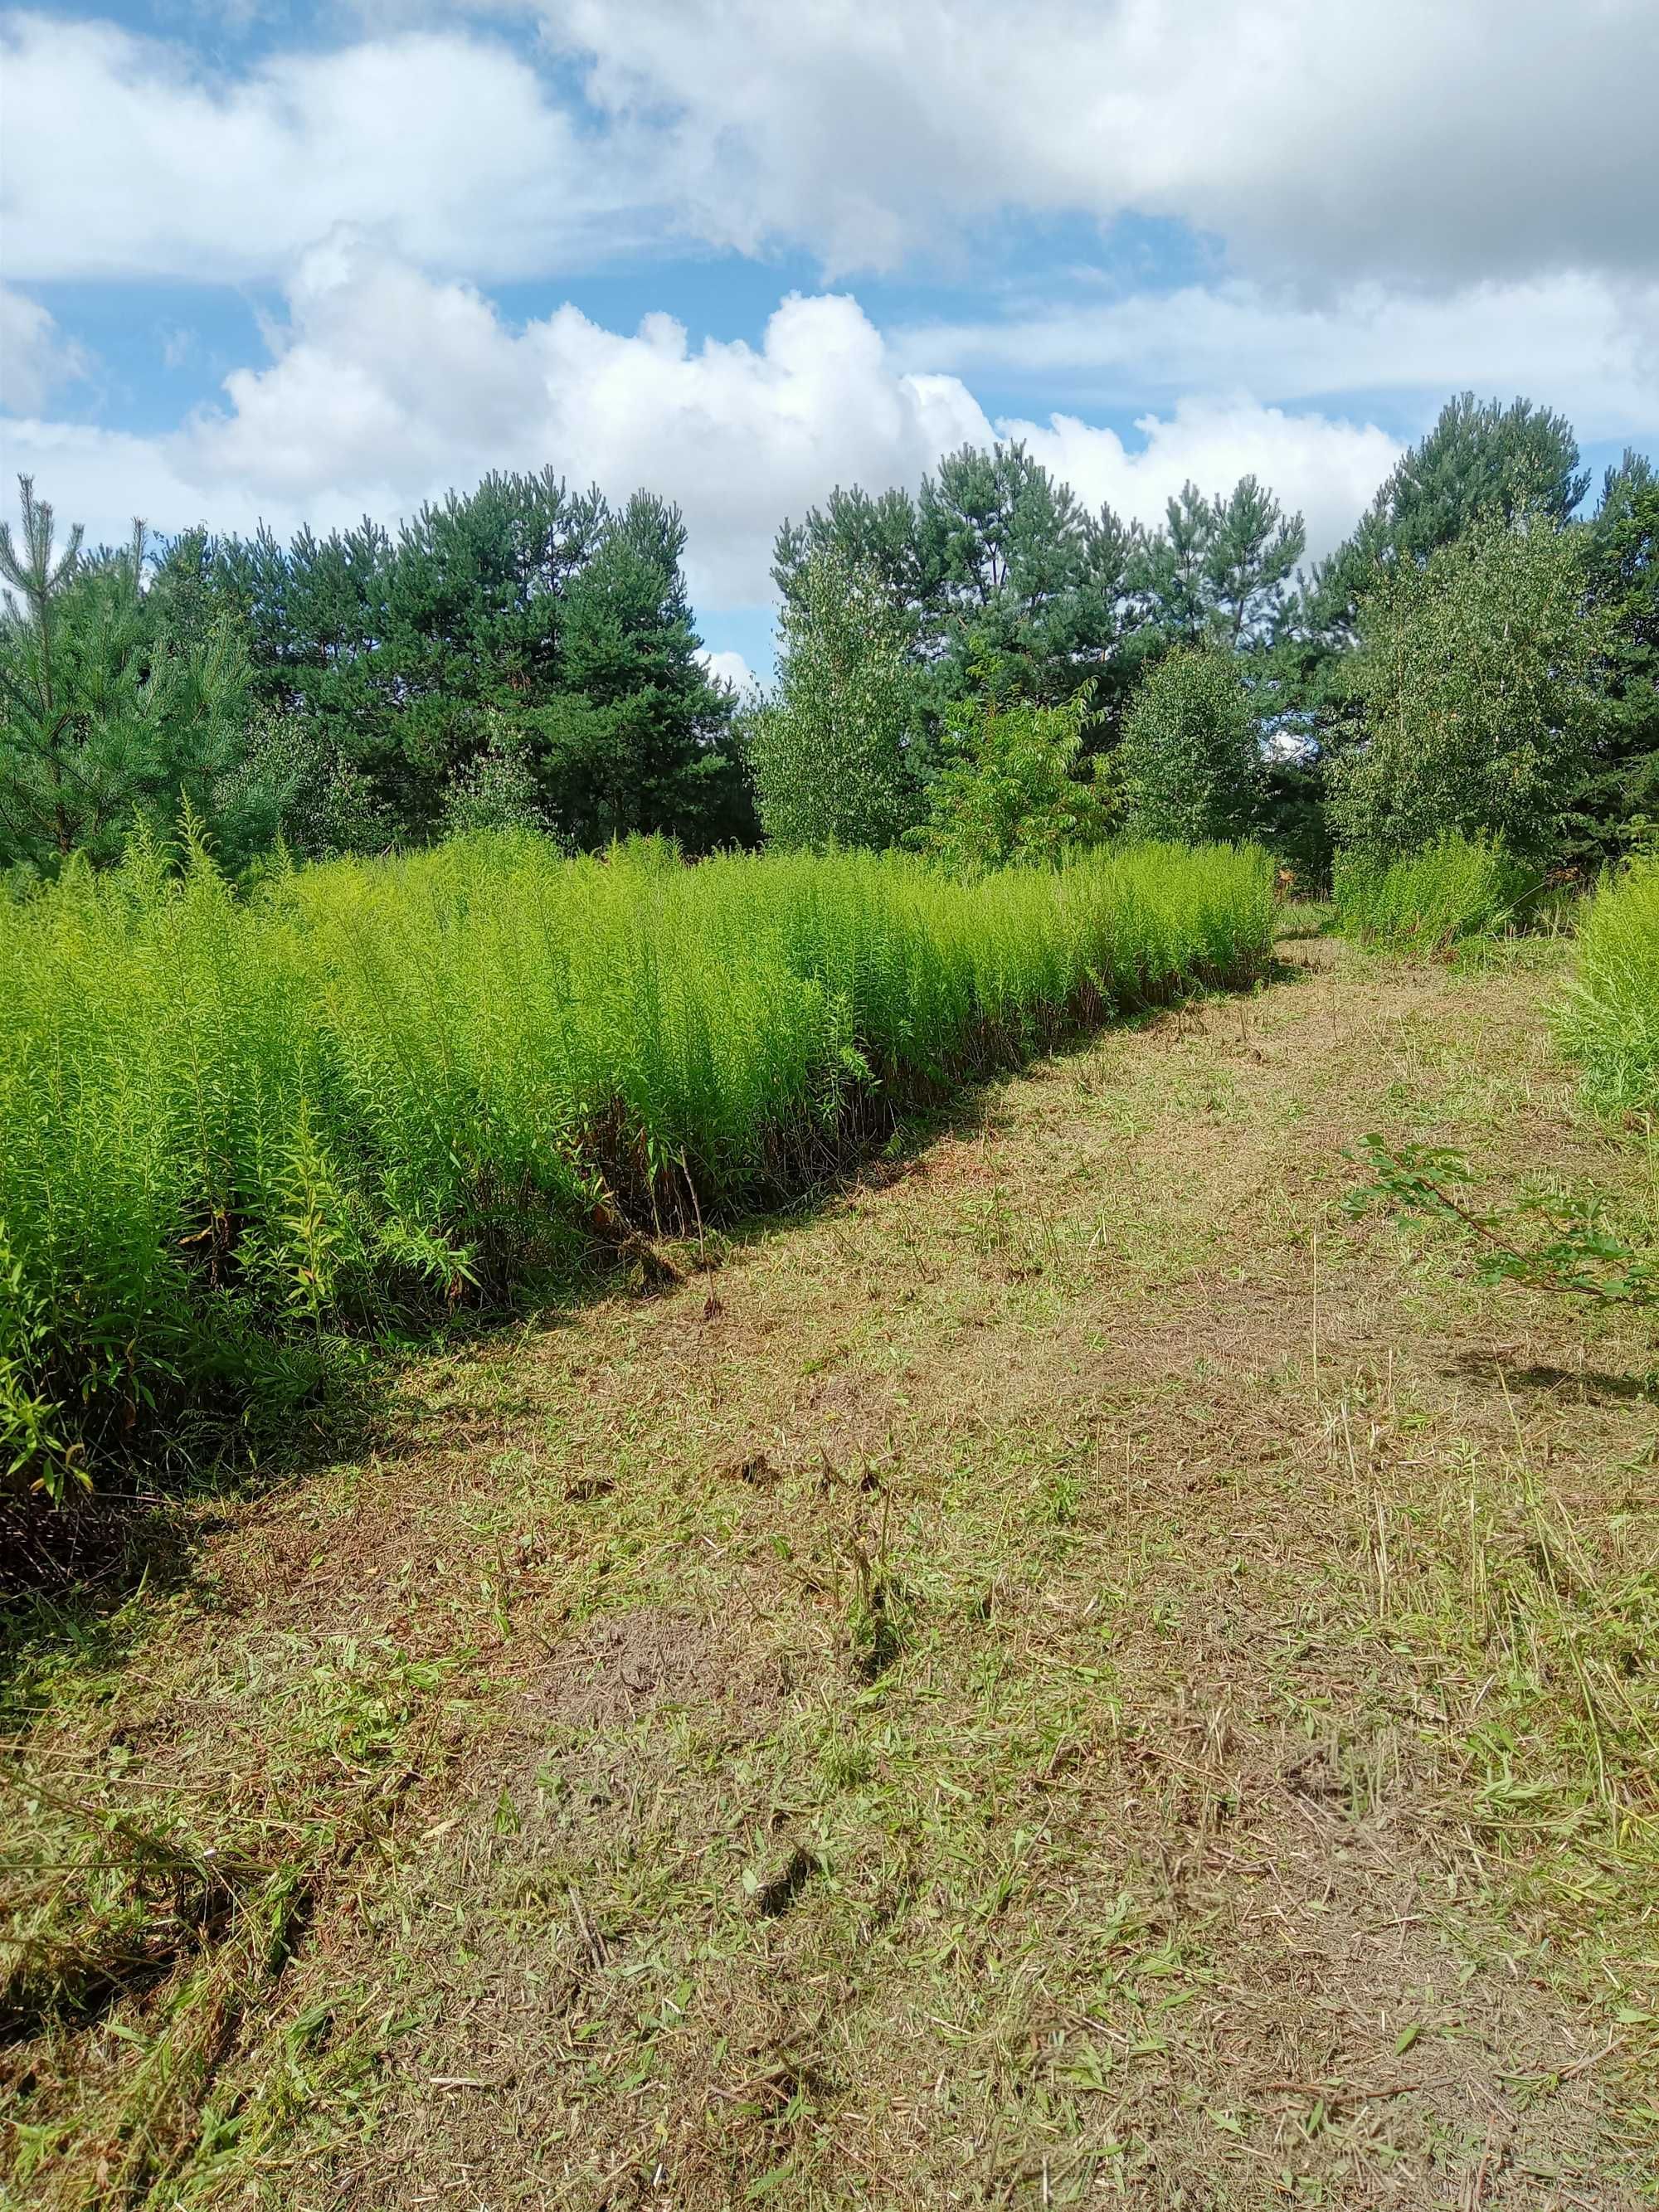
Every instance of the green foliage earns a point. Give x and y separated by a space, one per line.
995 565
998 566
1481 458
1455 888
328 809
499 789
637 740
1190 764
1013 788
517 621
1620 792
108 715
1218 571
831 749
1475 677
1611 1021
231 1128
1581 1254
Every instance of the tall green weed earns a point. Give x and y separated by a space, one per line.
1611 1020
233 1127
1455 888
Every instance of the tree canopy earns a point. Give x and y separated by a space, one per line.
1191 765
108 715
976 663
1475 674
832 750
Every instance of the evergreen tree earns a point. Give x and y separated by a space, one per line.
994 566
406 650
640 739
1621 789
1480 456
878 534
517 630
1218 571
108 718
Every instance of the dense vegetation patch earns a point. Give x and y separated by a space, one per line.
231 1124
1455 889
1612 1022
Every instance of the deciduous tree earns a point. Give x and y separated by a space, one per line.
1475 678
1190 763
832 749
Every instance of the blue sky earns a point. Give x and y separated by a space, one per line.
270 260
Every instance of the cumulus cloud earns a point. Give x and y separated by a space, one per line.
1326 469
389 385
729 667
35 357
1326 141
104 478
1333 137
127 157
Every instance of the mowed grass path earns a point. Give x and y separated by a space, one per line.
1075 1672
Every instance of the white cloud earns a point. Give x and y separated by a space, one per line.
729 667
124 158
389 386
1330 137
35 357
1580 343
1328 141
1325 470
104 478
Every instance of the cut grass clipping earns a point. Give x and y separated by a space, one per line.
1611 1023
232 1126
1455 891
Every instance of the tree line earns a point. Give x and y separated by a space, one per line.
516 655
988 669
985 670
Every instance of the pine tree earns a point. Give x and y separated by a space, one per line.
1480 456
640 739
995 565
1217 570
110 718
1620 792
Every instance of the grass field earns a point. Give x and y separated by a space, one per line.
1071 1672
232 1126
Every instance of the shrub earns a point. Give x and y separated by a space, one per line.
232 1126
1455 889
1010 789
1611 1021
